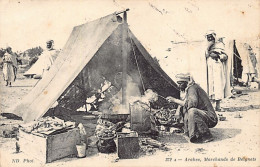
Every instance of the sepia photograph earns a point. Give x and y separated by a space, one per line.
129 83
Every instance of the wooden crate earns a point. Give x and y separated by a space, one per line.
50 148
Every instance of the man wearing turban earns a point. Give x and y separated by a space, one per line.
216 60
197 111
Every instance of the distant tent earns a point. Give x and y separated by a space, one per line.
93 53
40 64
237 63
245 61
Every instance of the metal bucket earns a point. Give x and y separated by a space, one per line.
81 149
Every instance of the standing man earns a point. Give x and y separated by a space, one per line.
216 60
14 60
9 67
48 56
249 63
197 111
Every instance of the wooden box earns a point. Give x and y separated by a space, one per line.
50 148
128 145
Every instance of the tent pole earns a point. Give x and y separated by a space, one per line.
124 58
84 90
234 46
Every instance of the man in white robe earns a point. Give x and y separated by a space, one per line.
48 57
249 63
216 59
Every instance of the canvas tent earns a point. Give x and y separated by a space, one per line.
244 60
237 63
93 53
42 63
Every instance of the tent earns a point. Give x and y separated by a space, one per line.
92 54
244 61
42 63
237 63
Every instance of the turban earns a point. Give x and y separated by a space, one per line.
211 32
8 47
50 41
183 77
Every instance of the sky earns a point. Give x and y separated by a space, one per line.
30 23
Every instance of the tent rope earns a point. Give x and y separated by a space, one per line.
138 68
237 56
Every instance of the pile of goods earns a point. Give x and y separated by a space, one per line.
47 126
166 116
105 129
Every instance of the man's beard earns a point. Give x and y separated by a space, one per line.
183 87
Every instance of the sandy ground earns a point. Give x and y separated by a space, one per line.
236 140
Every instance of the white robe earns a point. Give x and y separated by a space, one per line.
216 79
248 67
8 69
217 75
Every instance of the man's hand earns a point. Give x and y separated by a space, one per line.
214 56
174 100
223 57
171 99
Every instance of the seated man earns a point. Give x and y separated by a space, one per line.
198 113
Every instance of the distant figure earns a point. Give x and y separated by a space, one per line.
19 60
249 64
216 60
196 110
9 67
48 56
14 58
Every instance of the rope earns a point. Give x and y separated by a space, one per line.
237 56
136 61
